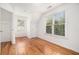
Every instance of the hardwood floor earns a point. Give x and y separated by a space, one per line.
0 48
7 48
25 47
51 48
34 46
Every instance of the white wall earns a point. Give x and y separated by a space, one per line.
33 24
71 39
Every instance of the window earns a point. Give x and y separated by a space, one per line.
20 24
58 24
49 25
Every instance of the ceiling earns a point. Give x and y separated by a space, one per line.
34 7
34 10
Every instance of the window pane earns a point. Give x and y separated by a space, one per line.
59 24
60 18
59 30
49 25
49 22
49 29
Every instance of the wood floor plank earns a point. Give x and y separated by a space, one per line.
34 46
0 48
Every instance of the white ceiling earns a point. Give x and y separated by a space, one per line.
34 7
30 10
33 10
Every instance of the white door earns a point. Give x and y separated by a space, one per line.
6 21
0 26
0 33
